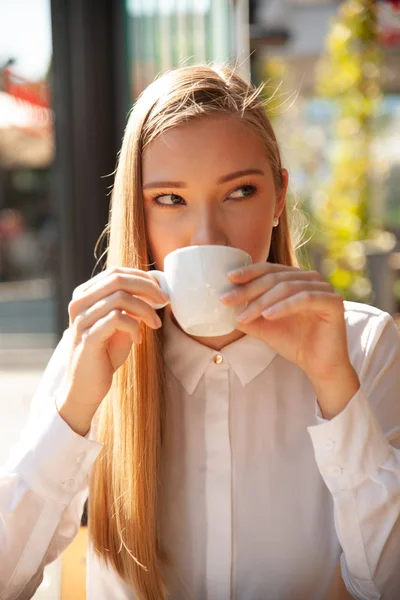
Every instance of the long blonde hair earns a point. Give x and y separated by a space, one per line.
123 495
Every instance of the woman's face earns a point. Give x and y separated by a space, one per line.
209 181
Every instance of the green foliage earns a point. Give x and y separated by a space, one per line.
349 75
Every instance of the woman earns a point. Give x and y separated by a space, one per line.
260 464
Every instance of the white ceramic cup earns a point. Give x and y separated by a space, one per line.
195 278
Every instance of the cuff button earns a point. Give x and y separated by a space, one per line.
69 485
335 471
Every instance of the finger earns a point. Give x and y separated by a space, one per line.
90 282
250 272
134 307
103 275
279 293
305 300
115 321
261 285
136 285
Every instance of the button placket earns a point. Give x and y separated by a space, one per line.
218 480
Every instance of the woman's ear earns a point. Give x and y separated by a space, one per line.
281 198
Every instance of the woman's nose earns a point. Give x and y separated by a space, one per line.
207 230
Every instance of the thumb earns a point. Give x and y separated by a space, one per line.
255 328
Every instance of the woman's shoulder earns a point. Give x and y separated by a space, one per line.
360 316
356 311
368 326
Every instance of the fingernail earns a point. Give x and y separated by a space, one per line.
157 321
243 317
236 273
227 296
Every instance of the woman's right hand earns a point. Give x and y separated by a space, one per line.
105 314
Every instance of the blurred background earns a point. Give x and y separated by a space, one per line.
69 73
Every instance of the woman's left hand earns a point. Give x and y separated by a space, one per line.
299 315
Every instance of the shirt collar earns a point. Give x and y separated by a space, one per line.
188 359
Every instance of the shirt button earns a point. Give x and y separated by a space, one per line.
218 359
80 457
69 485
329 445
335 471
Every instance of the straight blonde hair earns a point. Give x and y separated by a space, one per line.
123 494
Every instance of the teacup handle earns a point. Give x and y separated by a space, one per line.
159 276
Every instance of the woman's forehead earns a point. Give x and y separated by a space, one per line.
212 143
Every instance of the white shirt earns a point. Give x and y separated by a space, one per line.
264 499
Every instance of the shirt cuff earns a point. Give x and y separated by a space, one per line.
52 459
350 447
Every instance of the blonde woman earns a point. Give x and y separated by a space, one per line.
263 464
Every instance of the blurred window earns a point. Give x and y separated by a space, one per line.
28 231
163 34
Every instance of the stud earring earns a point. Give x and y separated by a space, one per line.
275 222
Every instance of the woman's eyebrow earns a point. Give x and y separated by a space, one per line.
237 174
161 184
223 179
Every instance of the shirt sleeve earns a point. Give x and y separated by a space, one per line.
358 456
43 487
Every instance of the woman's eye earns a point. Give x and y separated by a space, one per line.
243 192
168 200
